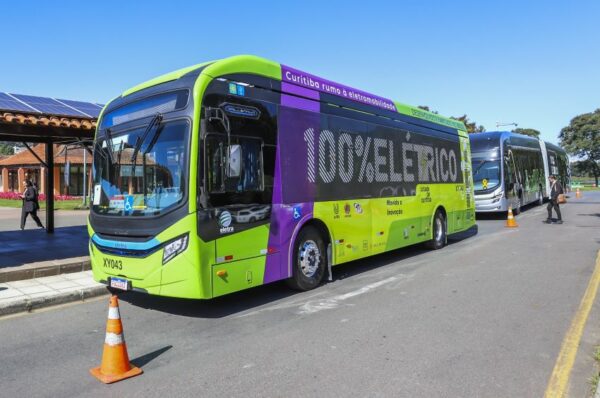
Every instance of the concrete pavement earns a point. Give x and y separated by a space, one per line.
33 253
483 317
32 294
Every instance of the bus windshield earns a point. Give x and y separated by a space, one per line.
486 174
153 182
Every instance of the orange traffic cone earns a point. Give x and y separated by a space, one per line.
510 221
115 361
578 194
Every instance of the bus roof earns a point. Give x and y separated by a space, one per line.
290 76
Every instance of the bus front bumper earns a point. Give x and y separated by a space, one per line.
488 204
180 277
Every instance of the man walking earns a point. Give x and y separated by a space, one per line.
555 190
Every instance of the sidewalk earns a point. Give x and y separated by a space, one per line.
31 294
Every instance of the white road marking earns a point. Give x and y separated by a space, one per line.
313 306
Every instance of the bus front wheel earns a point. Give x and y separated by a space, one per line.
310 260
439 231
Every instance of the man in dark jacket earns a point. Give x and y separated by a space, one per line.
30 205
555 190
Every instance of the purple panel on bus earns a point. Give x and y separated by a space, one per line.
303 79
299 96
293 194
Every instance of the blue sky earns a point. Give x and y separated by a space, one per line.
536 63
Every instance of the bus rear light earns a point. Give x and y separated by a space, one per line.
222 273
229 257
271 250
339 241
175 247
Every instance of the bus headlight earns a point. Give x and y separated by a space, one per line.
174 247
497 195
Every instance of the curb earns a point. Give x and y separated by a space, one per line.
27 304
40 270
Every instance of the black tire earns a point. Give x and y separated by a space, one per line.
309 260
438 230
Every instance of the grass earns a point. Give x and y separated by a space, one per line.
596 377
58 205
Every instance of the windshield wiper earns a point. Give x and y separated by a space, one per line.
481 165
155 122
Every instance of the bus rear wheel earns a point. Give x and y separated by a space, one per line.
439 231
310 260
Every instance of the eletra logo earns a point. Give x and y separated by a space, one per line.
225 222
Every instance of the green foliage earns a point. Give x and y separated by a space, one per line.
582 168
581 138
426 108
472 126
6 149
530 132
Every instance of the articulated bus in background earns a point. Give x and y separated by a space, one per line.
511 170
556 162
242 171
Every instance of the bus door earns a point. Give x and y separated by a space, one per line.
510 175
242 211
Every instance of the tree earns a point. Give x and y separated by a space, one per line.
530 132
472 126
426 108
581 138
582 168
6 149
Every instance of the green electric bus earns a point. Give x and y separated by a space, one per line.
240 172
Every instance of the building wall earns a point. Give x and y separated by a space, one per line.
11 179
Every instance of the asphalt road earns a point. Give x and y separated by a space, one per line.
484 317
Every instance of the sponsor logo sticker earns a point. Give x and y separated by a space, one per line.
224 221
358 208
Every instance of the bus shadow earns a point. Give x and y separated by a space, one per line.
234 303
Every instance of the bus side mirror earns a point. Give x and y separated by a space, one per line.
234 161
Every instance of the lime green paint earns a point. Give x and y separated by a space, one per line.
429 116
187 275
239 275
391 223
255 240
167 77
244 64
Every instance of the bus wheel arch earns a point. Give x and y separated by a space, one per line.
311 252
439 229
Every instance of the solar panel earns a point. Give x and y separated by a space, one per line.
86 107
49 105
7 103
